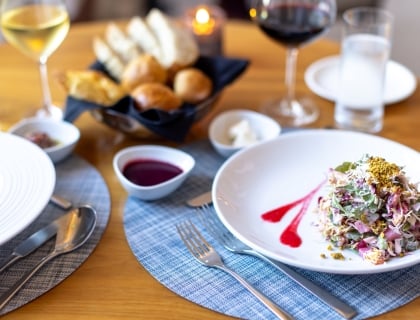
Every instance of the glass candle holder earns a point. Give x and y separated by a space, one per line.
206 24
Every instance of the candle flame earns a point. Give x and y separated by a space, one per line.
202 16
204 23
253 13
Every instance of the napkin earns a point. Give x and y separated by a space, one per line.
173 125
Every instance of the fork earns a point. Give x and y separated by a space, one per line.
208 256
231 243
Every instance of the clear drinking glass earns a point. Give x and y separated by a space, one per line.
365 51
293 23
36 28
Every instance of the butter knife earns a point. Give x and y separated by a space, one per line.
30 244
61 202
202 199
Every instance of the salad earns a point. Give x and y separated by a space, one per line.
371 207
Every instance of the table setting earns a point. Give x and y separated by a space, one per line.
128 248
91 191
151 234
47 212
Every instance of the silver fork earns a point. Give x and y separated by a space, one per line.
206 255
231 243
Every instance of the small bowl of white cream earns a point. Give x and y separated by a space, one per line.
236 129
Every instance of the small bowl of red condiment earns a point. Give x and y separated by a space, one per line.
152 172
57 138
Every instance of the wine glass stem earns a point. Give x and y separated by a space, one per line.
47 104
291 57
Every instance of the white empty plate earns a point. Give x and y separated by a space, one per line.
27 181
322 78
288 172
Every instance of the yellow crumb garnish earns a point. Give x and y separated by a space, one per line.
337 256
323 256
379 227
382 172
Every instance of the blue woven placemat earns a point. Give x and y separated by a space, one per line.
151 234
81 183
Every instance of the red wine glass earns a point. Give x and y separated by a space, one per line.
293 23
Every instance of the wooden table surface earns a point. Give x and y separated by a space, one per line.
111 284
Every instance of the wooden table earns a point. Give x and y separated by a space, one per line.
111 284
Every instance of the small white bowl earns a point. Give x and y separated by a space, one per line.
168 155
66 134
263 126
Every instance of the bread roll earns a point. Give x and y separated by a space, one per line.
143 69
143 36
93 86
178 46
108 58
192 85
120 43
155 95
158 34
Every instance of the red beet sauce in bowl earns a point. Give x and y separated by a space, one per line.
151 172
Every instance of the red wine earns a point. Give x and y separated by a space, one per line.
294 25
149 172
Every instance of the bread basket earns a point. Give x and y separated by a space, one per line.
153 123
132 127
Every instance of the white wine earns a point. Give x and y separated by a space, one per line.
37 30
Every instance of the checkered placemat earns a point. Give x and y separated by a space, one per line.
151 234
81 183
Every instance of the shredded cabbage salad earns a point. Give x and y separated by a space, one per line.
371 207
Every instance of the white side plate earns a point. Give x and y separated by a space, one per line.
322 78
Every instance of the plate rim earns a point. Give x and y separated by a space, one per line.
329 61
370 269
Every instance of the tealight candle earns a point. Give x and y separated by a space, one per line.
206 23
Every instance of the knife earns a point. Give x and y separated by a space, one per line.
200 200
61 202
31 243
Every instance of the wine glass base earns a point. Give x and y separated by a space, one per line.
55 113
295 113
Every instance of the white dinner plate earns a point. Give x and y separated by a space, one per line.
322 78
27 181
277 172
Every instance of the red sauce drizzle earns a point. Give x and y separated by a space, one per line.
290 235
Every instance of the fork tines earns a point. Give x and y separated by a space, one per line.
192 238
212 224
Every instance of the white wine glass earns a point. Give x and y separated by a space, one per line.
293 23
36 28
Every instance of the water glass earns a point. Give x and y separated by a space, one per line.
365 51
